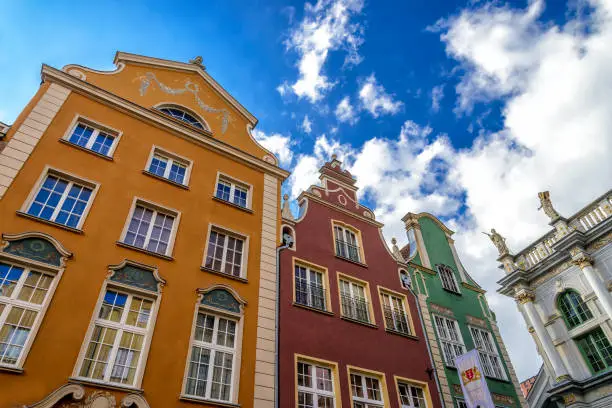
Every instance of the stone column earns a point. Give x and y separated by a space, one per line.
585 263
525 299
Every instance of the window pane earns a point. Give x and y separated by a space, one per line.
183 116
304 375
48 197
158 165
127 358
197 375
73 206
222 376
112 306
223 190
103 143
204 328
160 233
35 288
240 196
14 333
81 135
140 312
214 257
9 275
177 172
139 227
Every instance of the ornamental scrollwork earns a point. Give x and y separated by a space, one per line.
525 297
193 88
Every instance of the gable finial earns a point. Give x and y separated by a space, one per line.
198 61
285 210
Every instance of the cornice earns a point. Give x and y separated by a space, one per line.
319 200
472 287
422 268
51 74
181 66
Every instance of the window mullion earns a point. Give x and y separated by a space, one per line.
20 283
224 256
61 201
169 163
232 192
150 229
91 139
113 355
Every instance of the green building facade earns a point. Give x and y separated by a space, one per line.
456 315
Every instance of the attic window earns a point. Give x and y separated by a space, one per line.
184 116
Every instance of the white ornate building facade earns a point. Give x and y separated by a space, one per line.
562 284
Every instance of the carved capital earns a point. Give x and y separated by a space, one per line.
524 296
411 221
580 257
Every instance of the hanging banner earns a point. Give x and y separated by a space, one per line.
473 382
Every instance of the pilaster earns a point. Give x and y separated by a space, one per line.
582 259
25 139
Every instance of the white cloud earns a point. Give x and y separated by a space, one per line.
276 143
283 89
326 27
437 94
376 100
345 112
306 124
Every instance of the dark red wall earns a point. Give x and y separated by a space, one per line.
331 338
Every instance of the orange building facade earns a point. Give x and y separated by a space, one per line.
139 223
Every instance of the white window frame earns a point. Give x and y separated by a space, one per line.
403 302
234 182
357 237
365 400
446 339
71 179
324 285
460 403
171 159
237 350
366 296
137 201
245 250
98 127
41 310
121 327
411 385
314 391
444 269
487 353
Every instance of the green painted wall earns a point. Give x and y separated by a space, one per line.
466 303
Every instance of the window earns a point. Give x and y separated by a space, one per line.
461 403
232 192
151 229
489 357
315 386
347 245
574 310
450 339
212 358
596 349
121 329
405 279
225 253
309 288
183 116
411 396
447 276
395 313
23 294
366 391
169 166
90 137
62 199
354 300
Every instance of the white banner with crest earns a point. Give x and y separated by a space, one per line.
473 382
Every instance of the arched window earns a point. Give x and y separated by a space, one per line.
183 115
574 310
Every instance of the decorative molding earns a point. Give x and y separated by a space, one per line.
472 287
193 88
580 258
476 321
138 275
600 243
525 296
221 298
97 399
441 309
36 246
134 399
551 273
77 391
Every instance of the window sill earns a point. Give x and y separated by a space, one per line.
225 275
86 150
12 370
497 379
314 309
208 402
55 224
135 248
408 336
101 384
351 261
453 292
367 324
174 183
247 210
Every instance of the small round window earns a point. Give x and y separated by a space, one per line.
184 116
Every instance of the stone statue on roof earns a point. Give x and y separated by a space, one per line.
546 204
498 241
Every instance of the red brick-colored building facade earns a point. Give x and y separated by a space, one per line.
350 334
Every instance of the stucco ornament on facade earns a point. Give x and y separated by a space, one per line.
193 88
580 258
97 399
525 296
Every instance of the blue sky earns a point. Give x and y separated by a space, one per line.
465 109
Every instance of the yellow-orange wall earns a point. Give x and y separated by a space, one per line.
53 355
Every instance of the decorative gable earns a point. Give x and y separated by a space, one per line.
137 275
36 246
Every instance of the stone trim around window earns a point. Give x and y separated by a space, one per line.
325 280
332 365
70 177
80 119
159 209
170 156
420 384
368 295
245 250
234 182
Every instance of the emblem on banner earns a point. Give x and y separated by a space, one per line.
471 374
